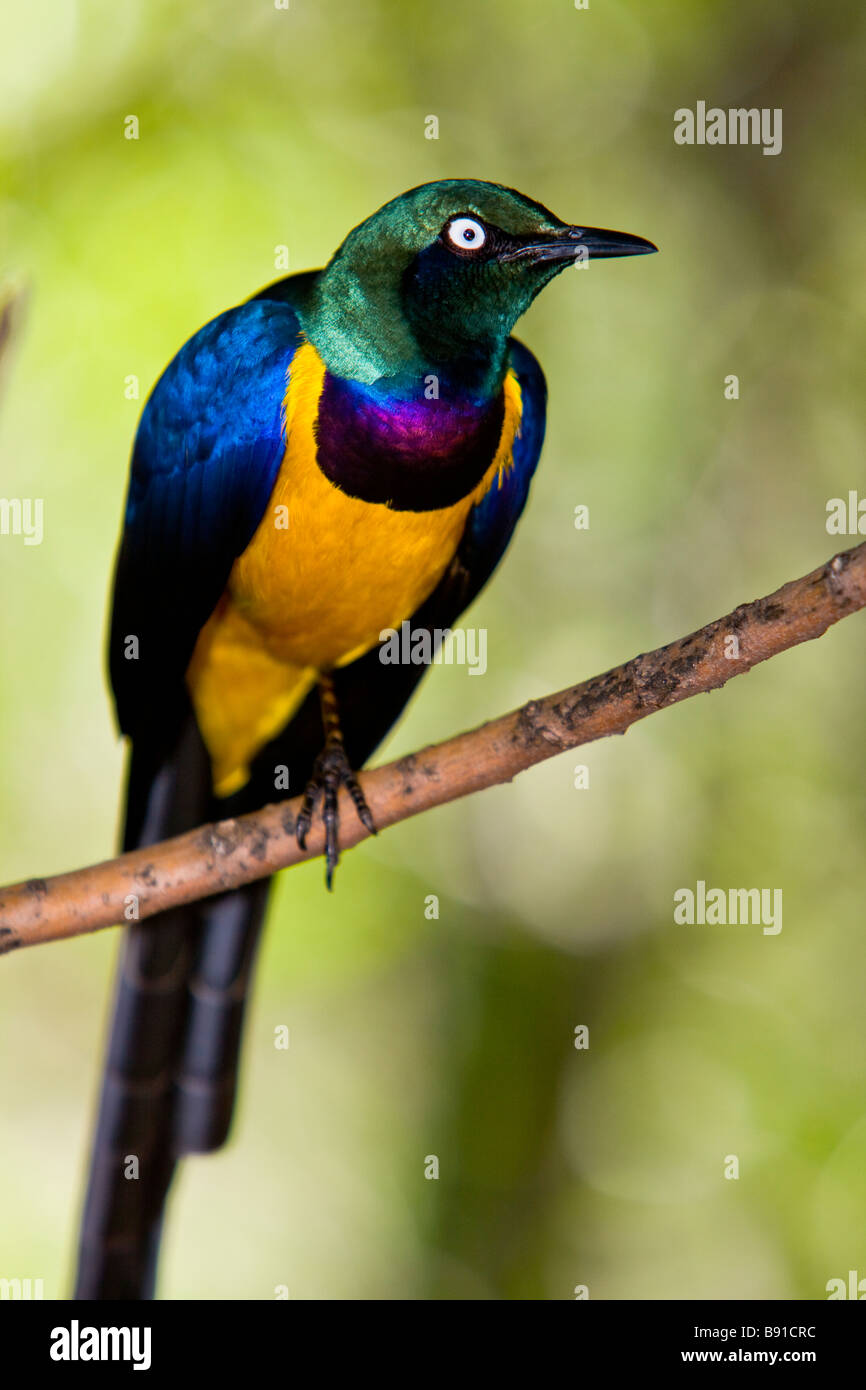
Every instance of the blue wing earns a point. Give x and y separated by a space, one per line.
205 461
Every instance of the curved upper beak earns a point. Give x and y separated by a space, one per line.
599 243
579 243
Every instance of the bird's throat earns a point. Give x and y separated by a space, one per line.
417 453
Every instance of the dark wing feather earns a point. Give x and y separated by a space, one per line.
205 460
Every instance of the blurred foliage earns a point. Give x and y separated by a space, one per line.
454 1037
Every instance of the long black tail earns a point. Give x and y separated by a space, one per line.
172 1057
171 1065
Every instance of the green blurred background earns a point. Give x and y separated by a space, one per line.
410 1037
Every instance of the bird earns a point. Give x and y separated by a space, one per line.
347 450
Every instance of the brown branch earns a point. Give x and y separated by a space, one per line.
216 857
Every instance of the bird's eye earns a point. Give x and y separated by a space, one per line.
466 234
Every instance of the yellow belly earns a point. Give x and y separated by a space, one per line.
324 574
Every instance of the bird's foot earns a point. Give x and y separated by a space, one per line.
331 771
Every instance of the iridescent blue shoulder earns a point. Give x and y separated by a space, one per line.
205 459
491 523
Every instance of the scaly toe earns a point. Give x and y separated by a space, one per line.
331 770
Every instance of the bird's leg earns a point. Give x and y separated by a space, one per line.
331 770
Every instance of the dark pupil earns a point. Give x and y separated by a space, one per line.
469 234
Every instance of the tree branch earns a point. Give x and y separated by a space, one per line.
216 857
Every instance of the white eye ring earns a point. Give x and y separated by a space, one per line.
466 234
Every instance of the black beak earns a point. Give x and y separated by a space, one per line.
579 243
599 244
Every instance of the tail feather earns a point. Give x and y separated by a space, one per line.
131 1167
207 1075
172 1054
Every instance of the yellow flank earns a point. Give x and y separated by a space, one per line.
322 576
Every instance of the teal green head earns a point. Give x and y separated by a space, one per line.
437 279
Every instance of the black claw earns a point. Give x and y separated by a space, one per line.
329 816
331 770
305 815
361 807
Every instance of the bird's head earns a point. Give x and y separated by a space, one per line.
439 276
